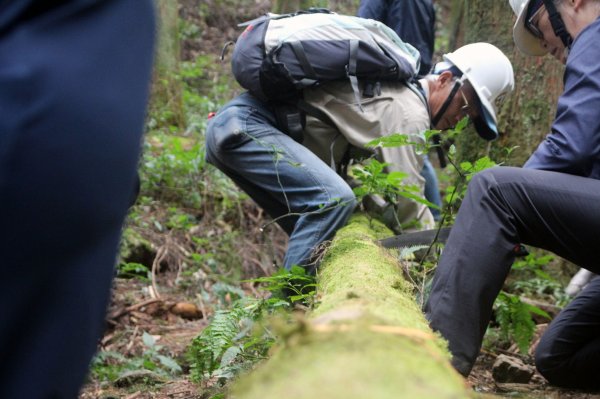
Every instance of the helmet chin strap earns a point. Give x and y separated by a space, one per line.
436 118
558 24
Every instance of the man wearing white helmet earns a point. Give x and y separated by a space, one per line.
300 187
551 203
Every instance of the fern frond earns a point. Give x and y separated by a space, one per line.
407 253
515 320
226 328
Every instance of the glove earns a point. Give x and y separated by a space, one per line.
578 282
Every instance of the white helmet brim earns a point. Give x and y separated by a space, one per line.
491 76
485 124
524 39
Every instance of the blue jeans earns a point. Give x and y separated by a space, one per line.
308 199
432 192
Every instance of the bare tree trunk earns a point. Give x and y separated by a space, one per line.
341 6
456 21
284 6
167 91
525 117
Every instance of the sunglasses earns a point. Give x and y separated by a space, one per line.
532 23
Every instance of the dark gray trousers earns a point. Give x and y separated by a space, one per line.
504 207
569 352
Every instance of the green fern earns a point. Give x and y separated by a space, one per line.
515 319
231 343
221 348
408 253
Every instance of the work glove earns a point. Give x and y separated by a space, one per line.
579 281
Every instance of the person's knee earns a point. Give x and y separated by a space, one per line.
542 357
345 197
480 187
225 131
486 179
210 147
489 182
339 204
550 365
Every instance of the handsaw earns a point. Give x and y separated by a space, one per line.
427 237
423 237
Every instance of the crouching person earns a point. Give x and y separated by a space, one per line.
297 182
550 203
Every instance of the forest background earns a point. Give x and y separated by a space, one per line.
193 242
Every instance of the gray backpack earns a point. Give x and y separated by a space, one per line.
279 55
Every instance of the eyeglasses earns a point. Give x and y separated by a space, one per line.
532 23
466 108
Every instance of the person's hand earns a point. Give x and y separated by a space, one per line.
579 281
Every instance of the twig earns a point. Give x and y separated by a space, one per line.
258 264
134 307
202 307
130 344
179 269
160 256
459 180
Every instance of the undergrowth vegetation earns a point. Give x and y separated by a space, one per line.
240 335
110 366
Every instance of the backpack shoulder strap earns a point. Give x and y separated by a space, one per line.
415 86
315 112
291 117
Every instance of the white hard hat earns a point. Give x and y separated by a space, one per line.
524 39
491 74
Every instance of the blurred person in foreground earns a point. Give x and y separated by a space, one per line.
75 76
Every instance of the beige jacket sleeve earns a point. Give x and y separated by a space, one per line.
397 110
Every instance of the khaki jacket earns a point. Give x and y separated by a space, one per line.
397 110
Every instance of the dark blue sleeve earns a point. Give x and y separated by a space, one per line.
573 146
13 13
412 20
373 9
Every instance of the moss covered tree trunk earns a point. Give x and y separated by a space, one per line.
526 115
367 338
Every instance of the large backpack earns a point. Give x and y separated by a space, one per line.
279 55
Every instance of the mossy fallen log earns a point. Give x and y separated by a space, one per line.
367 338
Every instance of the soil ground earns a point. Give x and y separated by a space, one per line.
133 312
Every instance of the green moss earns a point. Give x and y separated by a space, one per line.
134 246
370 281
357 365
366 339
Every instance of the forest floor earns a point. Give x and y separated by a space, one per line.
149 318
127 322
178 314
134 312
